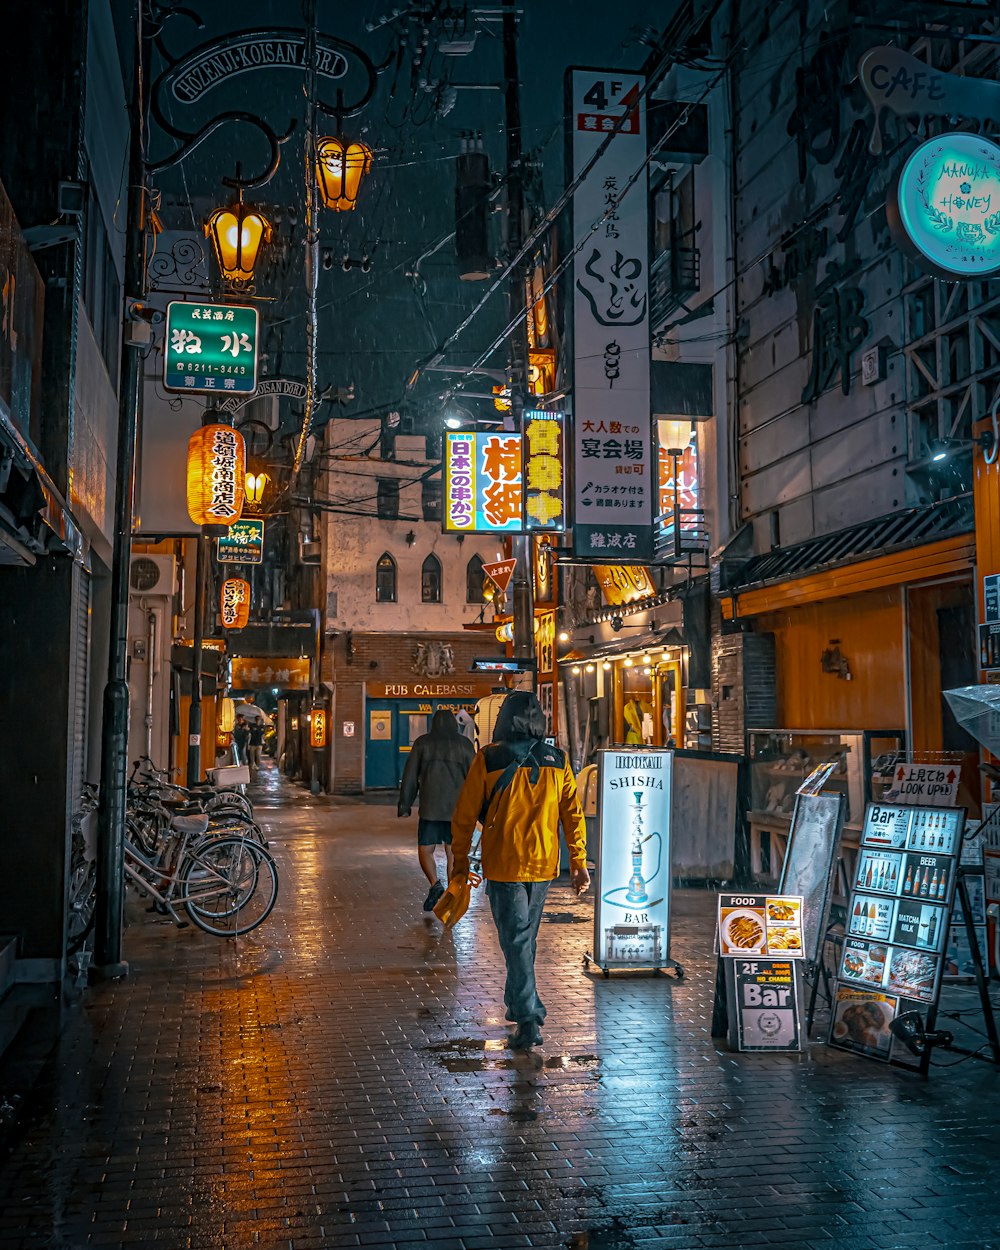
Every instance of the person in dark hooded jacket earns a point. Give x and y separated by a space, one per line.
521 789
436 770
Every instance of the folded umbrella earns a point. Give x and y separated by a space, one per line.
454 902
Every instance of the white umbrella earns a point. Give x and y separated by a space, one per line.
977 710
250 711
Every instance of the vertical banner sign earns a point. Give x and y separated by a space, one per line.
483 483
210 347
544 493
632 915
613 463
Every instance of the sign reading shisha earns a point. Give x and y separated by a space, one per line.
945 206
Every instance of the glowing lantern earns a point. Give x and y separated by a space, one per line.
255 484
234 603
317 727
237 235
227 716
340 167
215 475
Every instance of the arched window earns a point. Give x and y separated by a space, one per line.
474 581
430 580
385 579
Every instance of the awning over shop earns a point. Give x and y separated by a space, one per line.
34 517
648 640
903 546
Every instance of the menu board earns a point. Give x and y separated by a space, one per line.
861 1020
760 924
764 997
900 904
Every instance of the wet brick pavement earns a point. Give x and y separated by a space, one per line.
338 1079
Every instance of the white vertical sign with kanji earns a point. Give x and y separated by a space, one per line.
614 471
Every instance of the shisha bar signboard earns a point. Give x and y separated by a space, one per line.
897 920
632 915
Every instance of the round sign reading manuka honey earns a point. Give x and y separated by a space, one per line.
944 208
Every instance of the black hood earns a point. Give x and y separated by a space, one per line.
444 722
521 716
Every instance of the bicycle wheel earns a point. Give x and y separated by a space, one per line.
234 825
230 886
82 901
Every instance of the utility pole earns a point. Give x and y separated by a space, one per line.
524 610
114 733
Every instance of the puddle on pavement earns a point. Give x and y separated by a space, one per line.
565 917
617 1234
476 1054
515 1113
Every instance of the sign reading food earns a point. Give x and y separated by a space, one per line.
760 924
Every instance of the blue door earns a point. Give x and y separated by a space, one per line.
382 769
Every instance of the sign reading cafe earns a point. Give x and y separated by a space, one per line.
613 493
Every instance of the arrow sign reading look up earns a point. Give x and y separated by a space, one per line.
500 573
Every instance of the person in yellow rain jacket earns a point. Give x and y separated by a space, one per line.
519 788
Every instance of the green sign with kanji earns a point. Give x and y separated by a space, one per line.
244 544
210 348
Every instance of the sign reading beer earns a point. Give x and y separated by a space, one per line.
216 473
234 603
483 482
210 348
544 478
243 544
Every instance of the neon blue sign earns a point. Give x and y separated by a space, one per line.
945 208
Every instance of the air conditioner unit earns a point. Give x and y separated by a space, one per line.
310 551
152 575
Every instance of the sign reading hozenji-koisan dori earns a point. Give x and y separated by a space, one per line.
210 348
614 478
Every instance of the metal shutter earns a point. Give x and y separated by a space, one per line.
79 683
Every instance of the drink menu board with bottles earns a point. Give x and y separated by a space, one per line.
900 903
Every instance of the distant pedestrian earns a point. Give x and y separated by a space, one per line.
520 788
241 740
256 746
436 769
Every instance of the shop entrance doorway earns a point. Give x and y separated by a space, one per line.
391 728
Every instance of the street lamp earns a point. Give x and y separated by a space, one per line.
255 485
238 233
340 169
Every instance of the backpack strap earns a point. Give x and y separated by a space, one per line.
503 781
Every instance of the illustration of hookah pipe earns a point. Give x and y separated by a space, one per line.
636 892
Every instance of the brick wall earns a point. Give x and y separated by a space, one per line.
349 661
744 691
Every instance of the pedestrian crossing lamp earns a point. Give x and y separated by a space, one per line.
238 233
341 167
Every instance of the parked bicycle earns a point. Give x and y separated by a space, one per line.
82 888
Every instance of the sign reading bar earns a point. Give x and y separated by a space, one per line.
483 482
210 348
614 472
544 474
244 544
632 912
765 997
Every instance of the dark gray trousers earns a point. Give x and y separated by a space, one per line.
517 912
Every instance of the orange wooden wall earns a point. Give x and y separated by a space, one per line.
870 629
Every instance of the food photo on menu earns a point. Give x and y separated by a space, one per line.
913 975
861 1021
864 961
743 929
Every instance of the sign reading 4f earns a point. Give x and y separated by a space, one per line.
210 347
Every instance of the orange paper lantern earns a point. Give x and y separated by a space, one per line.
216 475
317 727
234 603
